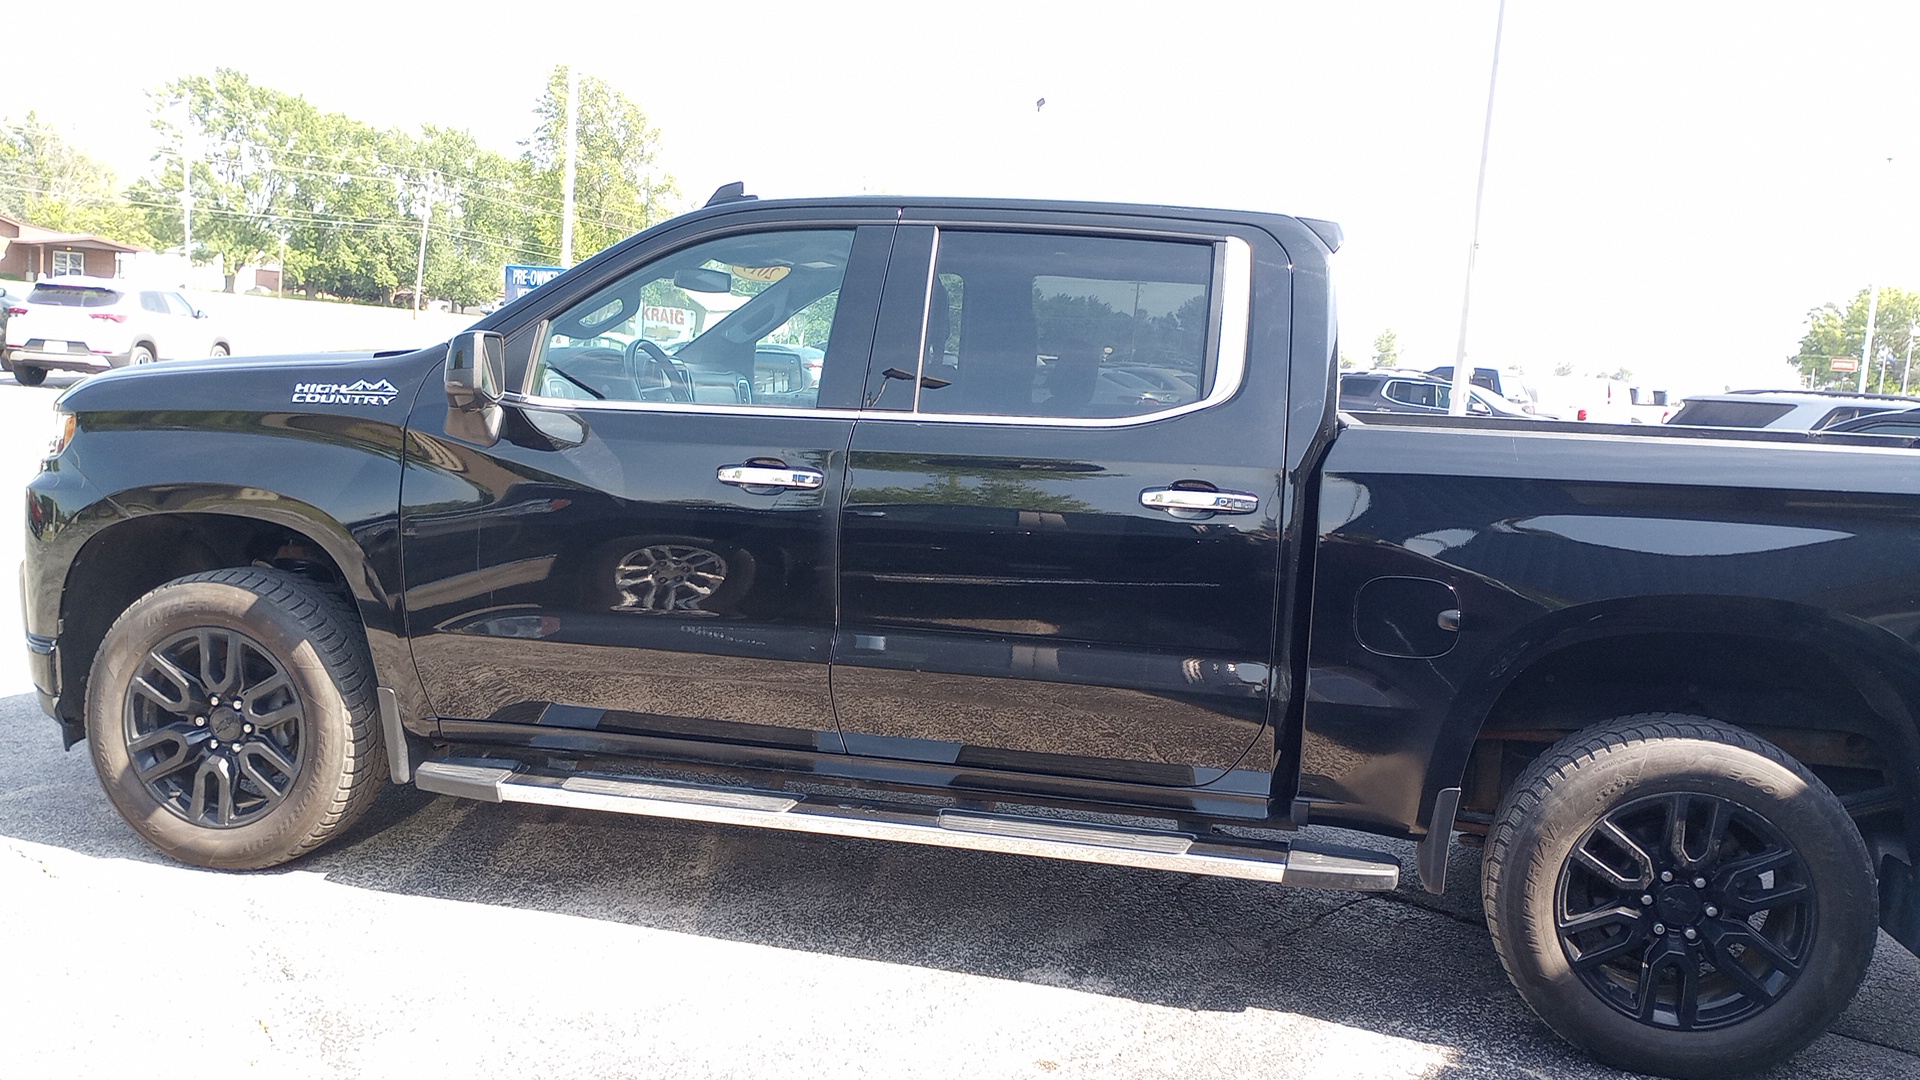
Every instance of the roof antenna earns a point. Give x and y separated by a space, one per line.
726 193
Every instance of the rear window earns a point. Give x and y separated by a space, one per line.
1738 414
72 296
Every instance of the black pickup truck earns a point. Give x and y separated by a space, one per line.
1028 527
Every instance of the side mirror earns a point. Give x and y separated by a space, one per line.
476 370
198 314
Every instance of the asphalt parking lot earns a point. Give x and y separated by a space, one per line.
449 938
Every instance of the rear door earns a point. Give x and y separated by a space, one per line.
648 551
1045 568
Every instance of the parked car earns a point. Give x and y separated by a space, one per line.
1502 384
1417 392
1903 422
1785 410
92 324
977 598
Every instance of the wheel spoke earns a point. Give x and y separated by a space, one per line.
215 776
263 749
223 683
1716 829
153 693
1739 903
174 674
1646 995
1598 918
1613 876
1752 866
277 681
1728 934
1736 972
175 735
275 792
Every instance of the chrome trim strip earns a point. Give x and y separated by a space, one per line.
934 827
1235 312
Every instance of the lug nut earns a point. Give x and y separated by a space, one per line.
213 699
1646 899
213 744
1699 883
1666 875
1712 911
1692 933
199 721
1659 928
248 728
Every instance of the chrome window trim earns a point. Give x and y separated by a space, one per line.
1236 296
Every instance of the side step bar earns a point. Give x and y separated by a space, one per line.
1297 863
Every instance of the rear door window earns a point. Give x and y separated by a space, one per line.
1733 414
1030 324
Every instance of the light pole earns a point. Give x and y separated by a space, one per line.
1462 374
1908 370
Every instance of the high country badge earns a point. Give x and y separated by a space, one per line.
357 392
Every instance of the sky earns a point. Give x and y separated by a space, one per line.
1670 187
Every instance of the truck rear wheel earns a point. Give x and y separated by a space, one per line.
1679 897
232 720
27 375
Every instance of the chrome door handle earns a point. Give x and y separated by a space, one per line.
768 476
1183 501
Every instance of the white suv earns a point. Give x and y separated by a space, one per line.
92 324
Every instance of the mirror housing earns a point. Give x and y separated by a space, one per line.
476 370
702 280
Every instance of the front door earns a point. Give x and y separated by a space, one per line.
648 550
1059 545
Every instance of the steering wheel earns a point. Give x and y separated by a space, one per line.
679 386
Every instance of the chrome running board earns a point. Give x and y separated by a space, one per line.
1294 863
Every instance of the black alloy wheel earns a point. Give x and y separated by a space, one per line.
1685 911
214 727
232 720
1678 896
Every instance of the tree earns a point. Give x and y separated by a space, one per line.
1386 350
617 189
1834 332
49 183
237 137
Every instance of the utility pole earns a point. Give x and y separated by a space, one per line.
426 215
1873 310
1866 350
1462 374
186 196
566 176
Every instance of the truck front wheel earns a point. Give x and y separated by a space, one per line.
231 718
1679 897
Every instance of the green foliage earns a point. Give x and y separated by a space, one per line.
1386 350
1835 332
47 182
618 190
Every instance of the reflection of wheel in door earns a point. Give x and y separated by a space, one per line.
219 350
29 376
669 577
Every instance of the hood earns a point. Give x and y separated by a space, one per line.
374 383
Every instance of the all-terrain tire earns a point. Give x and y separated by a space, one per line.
1753 941
236 784
27 375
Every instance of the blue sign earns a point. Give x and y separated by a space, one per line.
522 280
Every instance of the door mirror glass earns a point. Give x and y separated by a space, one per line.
476 369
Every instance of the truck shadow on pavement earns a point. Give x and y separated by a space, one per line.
1403 964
